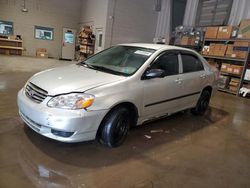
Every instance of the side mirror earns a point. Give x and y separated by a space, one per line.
154 73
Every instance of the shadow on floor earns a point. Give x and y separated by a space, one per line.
93 155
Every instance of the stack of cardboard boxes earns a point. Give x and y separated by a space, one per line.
86 40
217 49
238 49
234 84
232 69
228 41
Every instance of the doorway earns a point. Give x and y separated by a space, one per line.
68 46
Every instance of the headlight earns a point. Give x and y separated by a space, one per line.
72 101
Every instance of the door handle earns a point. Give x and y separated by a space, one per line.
178 80
203 76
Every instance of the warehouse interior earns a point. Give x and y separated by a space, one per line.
181 150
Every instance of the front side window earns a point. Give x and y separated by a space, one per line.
167 62
191 63
123 60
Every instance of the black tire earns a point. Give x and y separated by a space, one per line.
115 127
202 104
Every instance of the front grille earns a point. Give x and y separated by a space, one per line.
35 93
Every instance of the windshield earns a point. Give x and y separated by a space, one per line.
120 60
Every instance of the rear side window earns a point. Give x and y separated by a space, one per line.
167 62
191 63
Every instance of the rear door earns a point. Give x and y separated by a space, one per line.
193 77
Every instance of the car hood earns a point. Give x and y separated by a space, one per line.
72 78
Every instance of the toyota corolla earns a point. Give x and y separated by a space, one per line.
123 86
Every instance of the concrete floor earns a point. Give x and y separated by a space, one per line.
210 151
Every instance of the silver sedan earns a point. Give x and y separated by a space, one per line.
123 86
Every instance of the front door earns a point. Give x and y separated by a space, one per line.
68 46
161 94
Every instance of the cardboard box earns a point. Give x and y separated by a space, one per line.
234 82
219 49
229 69
224 32
237 69
241 54
211 32
185 40
230 50
224 67
244 30
233 69
86 29
223 49
233 88
12 37
84 35
241 44
83 47
241 49
42 53
212 49
86 41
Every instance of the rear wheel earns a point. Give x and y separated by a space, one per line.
115 127
202 104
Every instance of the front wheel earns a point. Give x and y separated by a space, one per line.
202 104
115 127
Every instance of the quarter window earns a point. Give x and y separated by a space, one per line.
191 63
167 62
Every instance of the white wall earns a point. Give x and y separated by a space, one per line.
130 21
48 13
94 13
164 20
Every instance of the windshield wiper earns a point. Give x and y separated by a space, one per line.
104 69
83 63
100 68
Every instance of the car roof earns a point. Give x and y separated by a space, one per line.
155 46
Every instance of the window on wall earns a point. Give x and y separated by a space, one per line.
6 28
44 33
213 12
178 11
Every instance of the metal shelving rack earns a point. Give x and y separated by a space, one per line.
236 61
